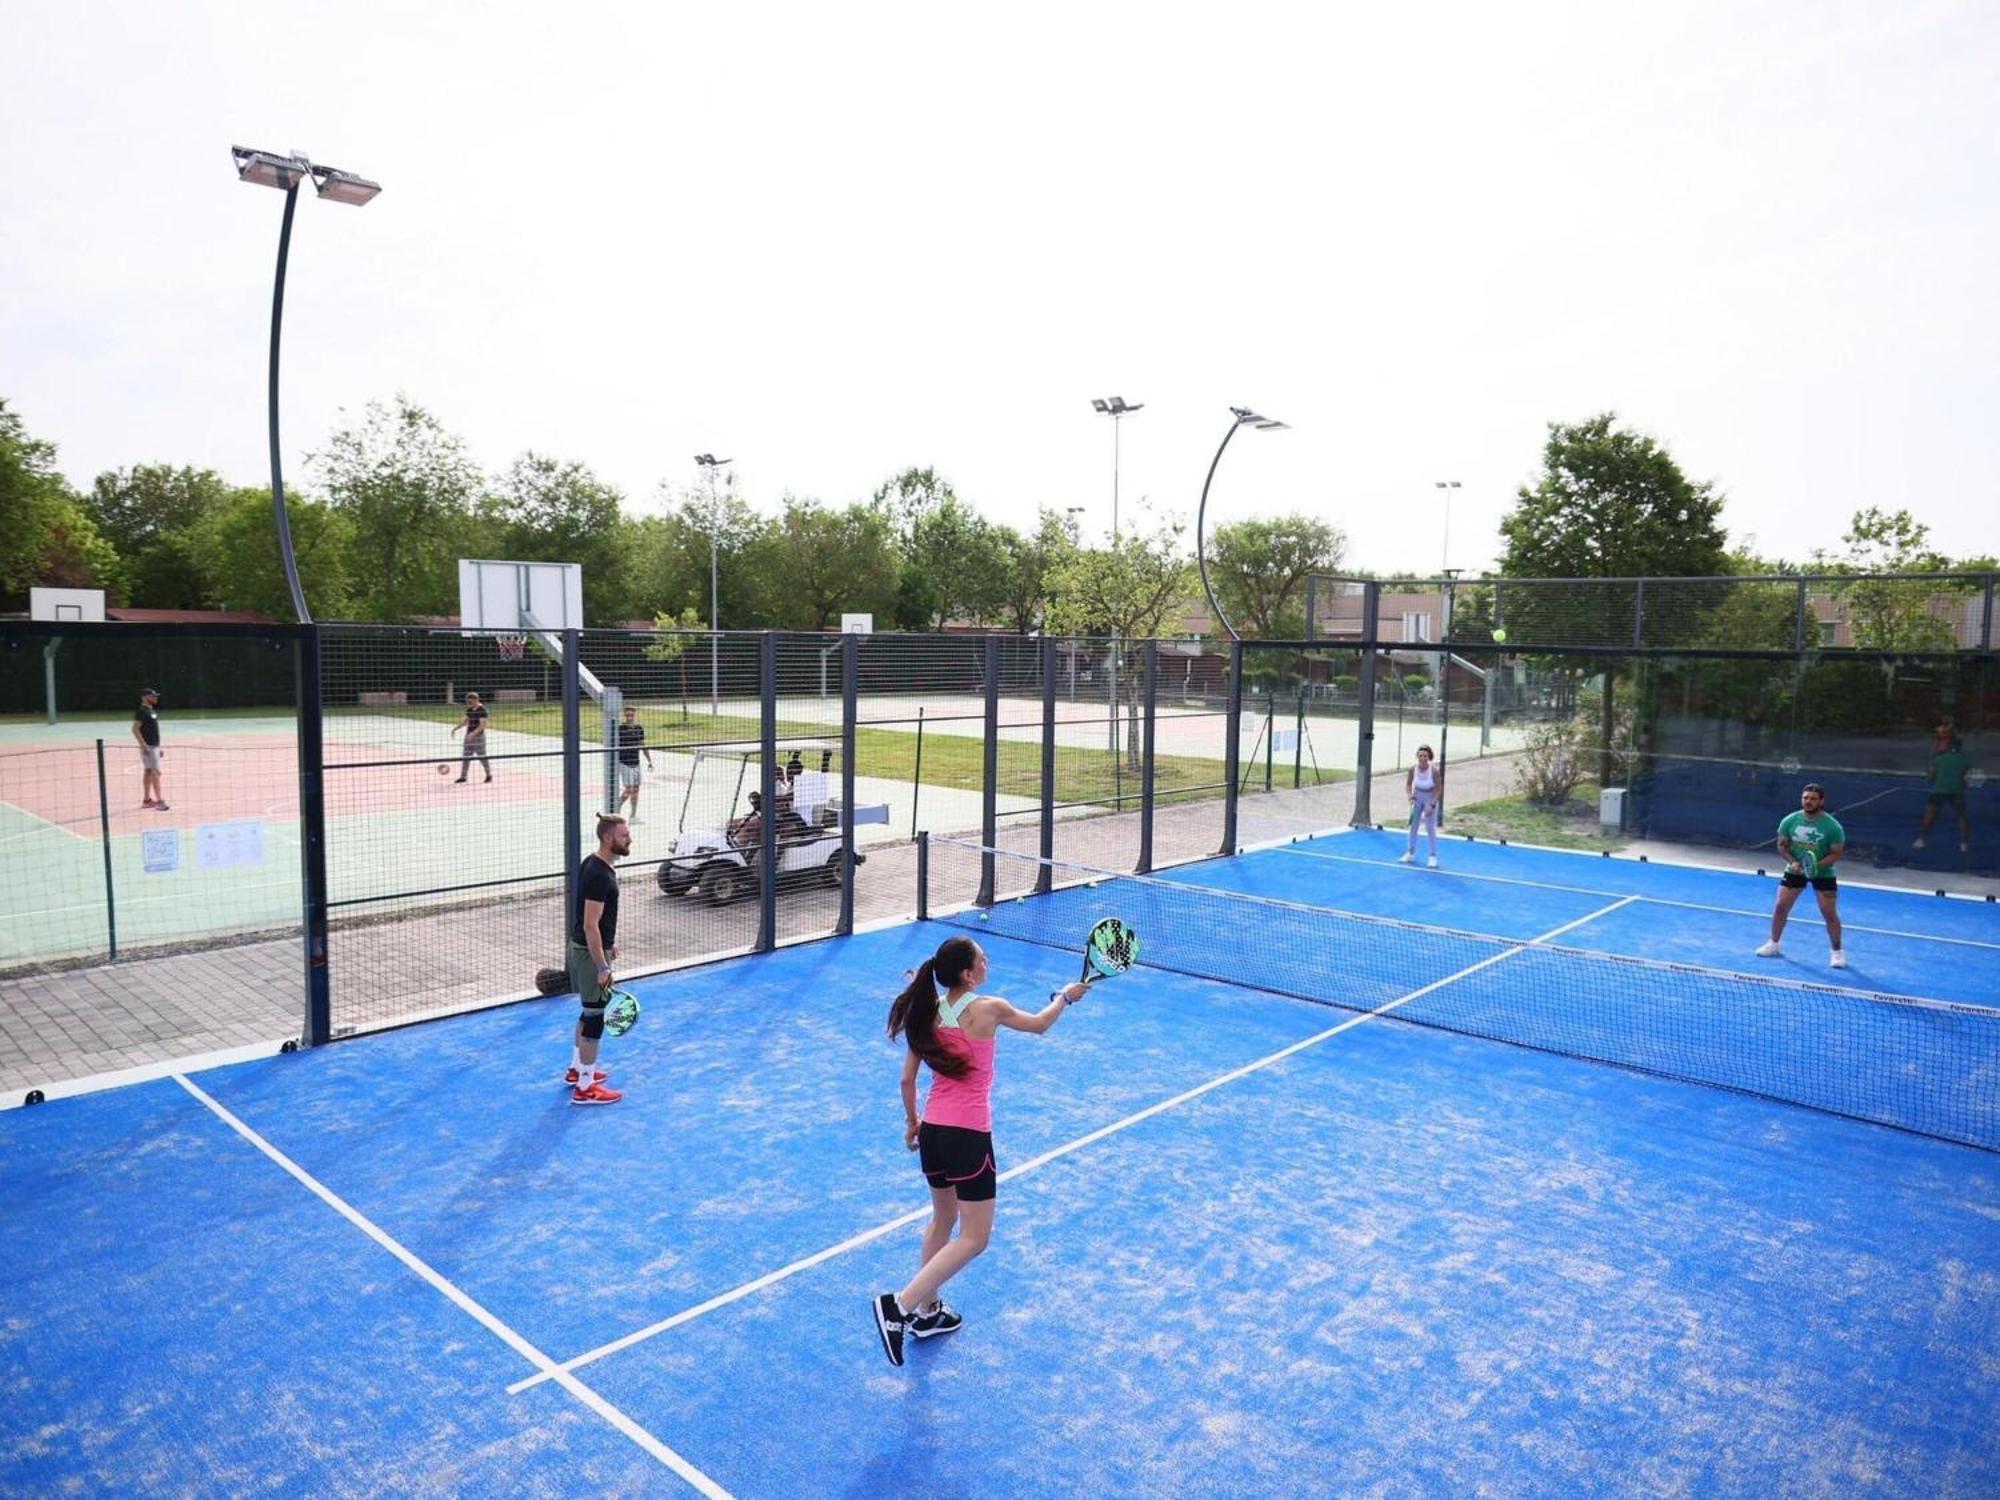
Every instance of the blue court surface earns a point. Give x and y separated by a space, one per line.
1247 1244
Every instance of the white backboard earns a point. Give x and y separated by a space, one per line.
494 595
66 604
857 624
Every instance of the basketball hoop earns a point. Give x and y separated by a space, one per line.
512 647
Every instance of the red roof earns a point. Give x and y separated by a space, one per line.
125 616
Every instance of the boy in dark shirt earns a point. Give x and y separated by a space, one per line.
474 725
146 731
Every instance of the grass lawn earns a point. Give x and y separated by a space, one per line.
1571 826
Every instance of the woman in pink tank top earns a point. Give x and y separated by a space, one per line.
953 1036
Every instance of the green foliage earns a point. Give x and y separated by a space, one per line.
816 563
233 549
47 537
149 513
543 510
669 565
406 486
1029 567
1259 568
1127 590
1897 614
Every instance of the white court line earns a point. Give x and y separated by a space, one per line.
1584 890
771 1278
645 1440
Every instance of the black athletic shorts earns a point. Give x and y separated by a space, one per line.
954 1157
1947 799
1796 880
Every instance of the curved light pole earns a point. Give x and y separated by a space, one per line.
710 463
269 169
1243 417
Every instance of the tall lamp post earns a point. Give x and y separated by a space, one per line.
1118 410
270 169
710 463
1241 416
1447 485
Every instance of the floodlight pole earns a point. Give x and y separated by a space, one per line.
1447 485
1118 409
710 463
1241 416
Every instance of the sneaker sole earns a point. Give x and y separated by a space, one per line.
931 1333
882 1329
574 1100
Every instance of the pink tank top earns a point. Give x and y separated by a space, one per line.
965 1102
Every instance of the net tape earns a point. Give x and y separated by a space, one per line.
1923 1065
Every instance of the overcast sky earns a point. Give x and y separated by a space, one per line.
831 242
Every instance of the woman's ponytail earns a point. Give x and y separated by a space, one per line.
914 1012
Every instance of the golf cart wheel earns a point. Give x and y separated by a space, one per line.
721 885
829 873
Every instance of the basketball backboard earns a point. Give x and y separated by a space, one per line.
83 605
519 596
857 624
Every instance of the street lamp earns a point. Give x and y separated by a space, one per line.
1075 526
269 169
710 463
1447 485
1241 416
1116 409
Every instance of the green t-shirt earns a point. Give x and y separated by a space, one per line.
1948 772
1816 837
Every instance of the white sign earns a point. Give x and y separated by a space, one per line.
160 850
857 624
225 846
1284 739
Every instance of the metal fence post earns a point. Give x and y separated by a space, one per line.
1312 583
850 689
572 742
1232 749
1044 876
307 674
104 837
1152 704
923 877
767 894
1986 618
1799 622
1639 615
1364 745
989 787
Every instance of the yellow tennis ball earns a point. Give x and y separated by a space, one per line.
1499 635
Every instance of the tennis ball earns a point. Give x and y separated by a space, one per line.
1499 635
982 916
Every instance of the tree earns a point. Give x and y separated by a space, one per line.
1028 565
150 513
46 536
1898 614
951 568
233 551
406 486
670 569
1610 504
549 511
816 564
1259 569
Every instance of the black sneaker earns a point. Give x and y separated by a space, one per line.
940 1319
889 1323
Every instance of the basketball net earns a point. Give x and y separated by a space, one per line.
512 647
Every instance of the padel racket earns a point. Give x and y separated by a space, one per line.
1808 862
1111 948
622 1013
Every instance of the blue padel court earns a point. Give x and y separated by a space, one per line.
1517 1177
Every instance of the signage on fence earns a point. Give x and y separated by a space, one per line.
160 851
225 846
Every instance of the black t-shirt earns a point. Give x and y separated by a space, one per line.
475 722
597 881
630 738
149 725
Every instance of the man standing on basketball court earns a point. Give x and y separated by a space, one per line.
593 944
146 731
1812 842
474 725
631 745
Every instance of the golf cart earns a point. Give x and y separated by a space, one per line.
722 863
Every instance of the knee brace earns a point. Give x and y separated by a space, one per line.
593 1022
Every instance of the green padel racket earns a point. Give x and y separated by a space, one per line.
1111 948
622 1013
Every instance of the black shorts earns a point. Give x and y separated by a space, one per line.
1795 880
1939 799
953 1157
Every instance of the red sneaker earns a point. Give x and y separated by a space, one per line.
570 1077
597 1093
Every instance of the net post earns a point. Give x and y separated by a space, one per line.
308 671
1986 617
1639 615
1232 748
1044 877
1364 741
767 894
924 876
1151 710
1312 586
1799 620
572 772
104 839
850 687
989 781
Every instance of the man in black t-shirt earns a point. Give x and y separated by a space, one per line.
631 745
474 725
593 943
146 731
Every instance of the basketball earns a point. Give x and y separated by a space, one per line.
443 769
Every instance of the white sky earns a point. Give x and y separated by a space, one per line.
832 241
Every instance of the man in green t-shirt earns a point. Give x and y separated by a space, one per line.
1949 767
1812 842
